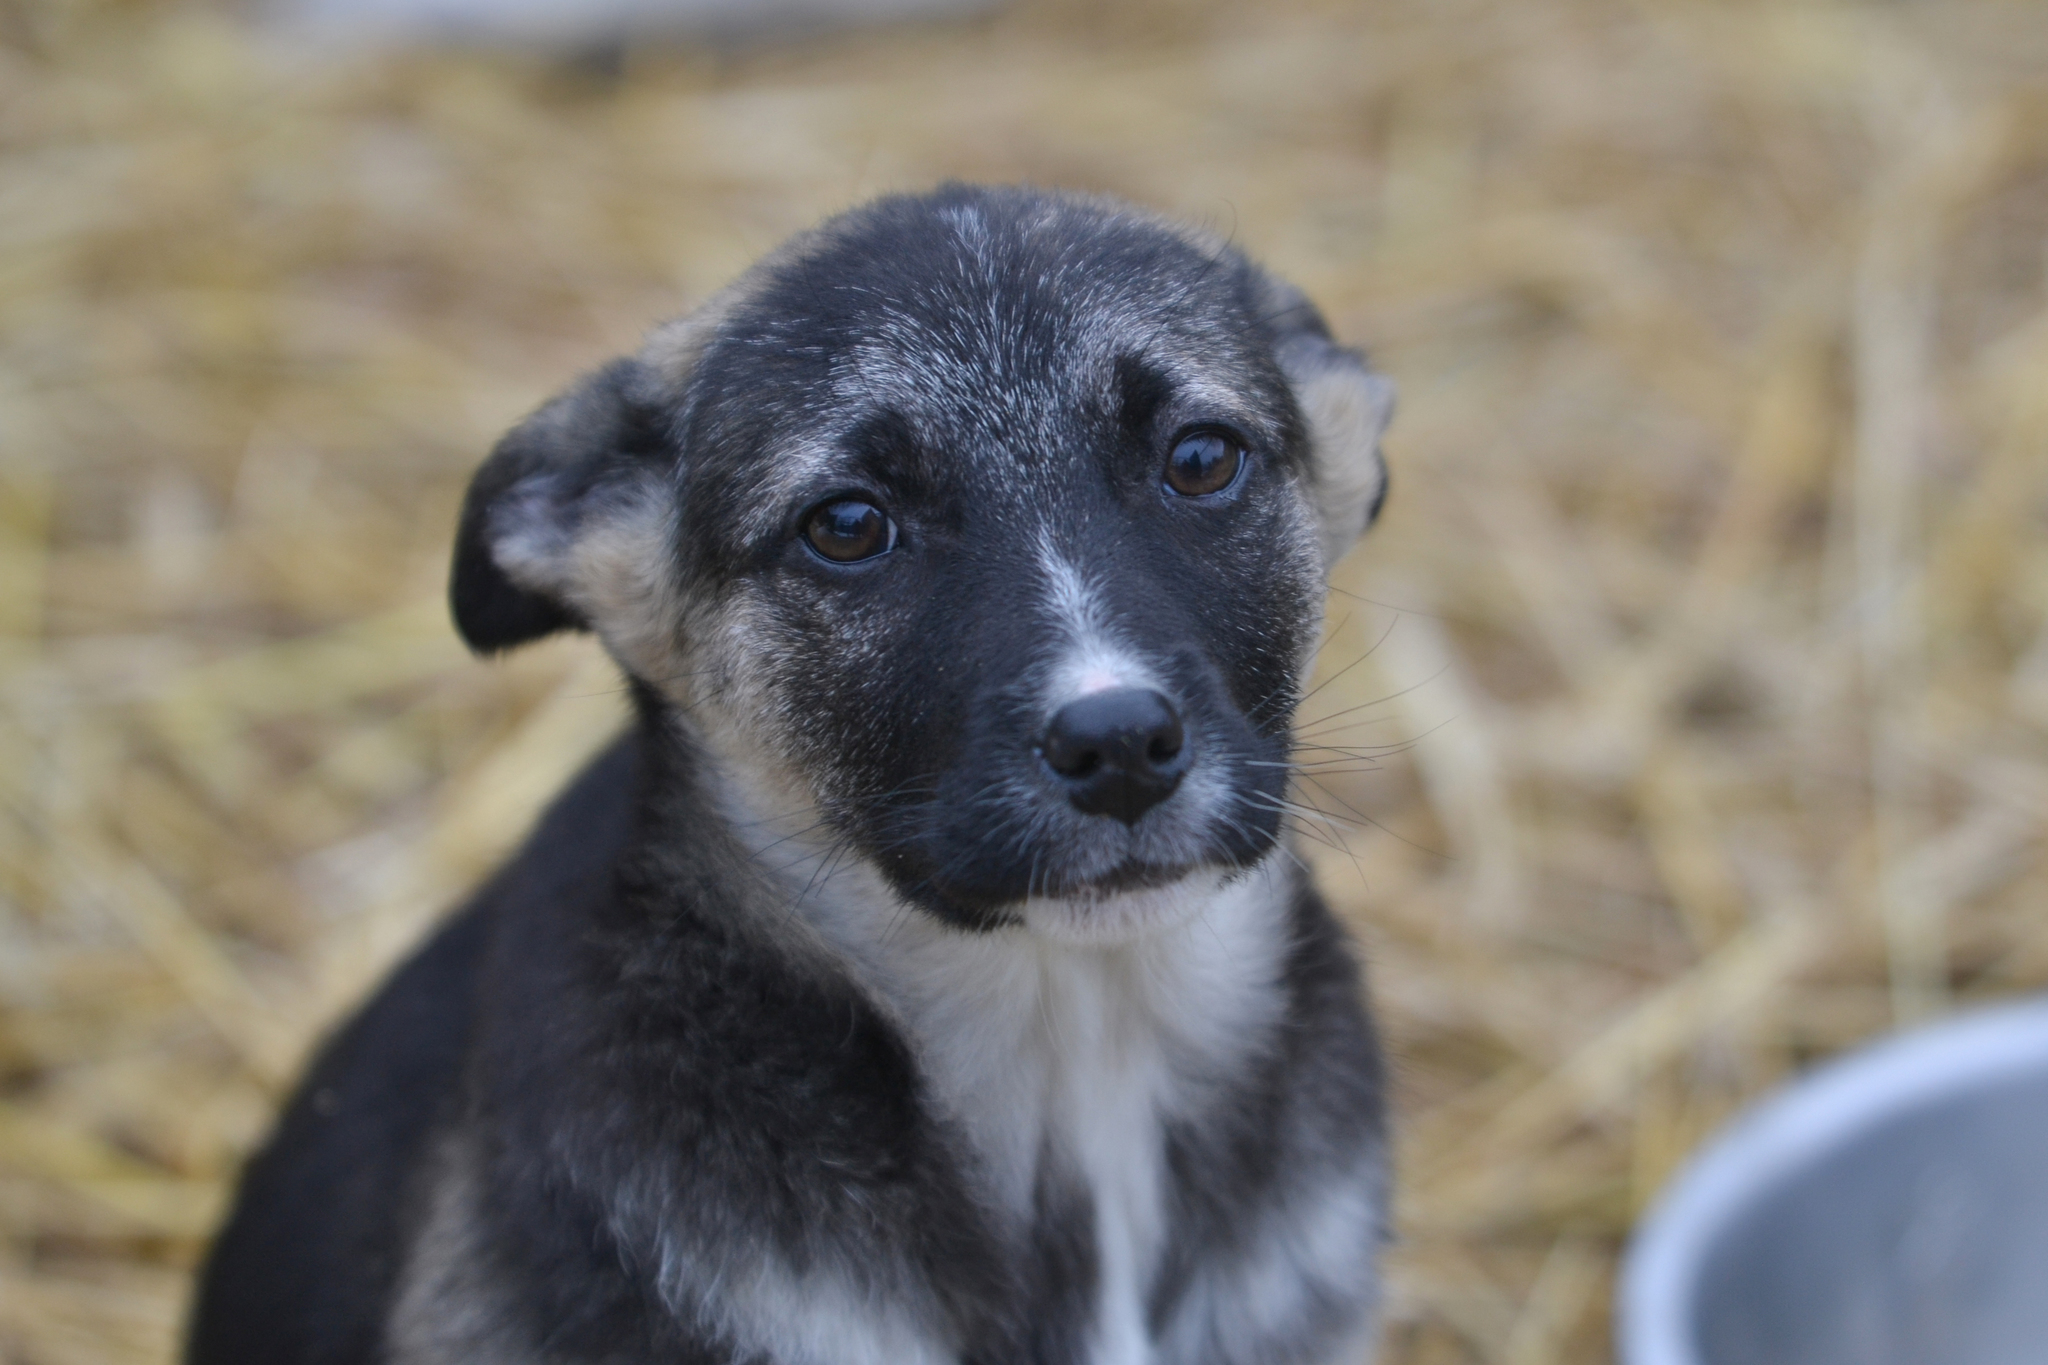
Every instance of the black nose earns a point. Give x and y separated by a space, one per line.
1117 752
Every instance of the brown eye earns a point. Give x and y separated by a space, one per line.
848 530
1203 462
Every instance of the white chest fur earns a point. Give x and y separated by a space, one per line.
1075 1039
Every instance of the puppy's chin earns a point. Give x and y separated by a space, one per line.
1113 917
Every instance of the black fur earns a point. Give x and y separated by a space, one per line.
304 1269
635 1070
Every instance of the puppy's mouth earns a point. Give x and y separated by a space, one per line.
1125 877
1089 884
1128 903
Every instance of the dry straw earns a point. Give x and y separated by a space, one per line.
1687 719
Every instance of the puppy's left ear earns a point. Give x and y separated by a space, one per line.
1346 406
568 525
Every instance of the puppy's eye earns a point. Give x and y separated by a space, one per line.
1204 462
849 530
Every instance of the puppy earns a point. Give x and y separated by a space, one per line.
925 978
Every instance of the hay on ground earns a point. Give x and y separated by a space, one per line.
1686 721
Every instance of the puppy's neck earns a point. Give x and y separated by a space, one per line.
1060 1047
1162 992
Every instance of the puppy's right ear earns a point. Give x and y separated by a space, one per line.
1346 406
566 524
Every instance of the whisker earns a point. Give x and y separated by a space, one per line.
1370 650
1316 725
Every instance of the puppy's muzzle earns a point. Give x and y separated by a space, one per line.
1118 752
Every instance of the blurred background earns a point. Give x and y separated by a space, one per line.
1701 658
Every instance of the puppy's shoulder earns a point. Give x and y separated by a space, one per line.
302 1270
305 1268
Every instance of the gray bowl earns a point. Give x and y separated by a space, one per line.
1889 1209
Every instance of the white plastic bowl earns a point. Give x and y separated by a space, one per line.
1889 1209
574 24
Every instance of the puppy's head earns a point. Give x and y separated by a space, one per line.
991 525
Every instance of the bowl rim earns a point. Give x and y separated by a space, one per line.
1790 1128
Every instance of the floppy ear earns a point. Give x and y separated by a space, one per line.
1346 406
569 523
